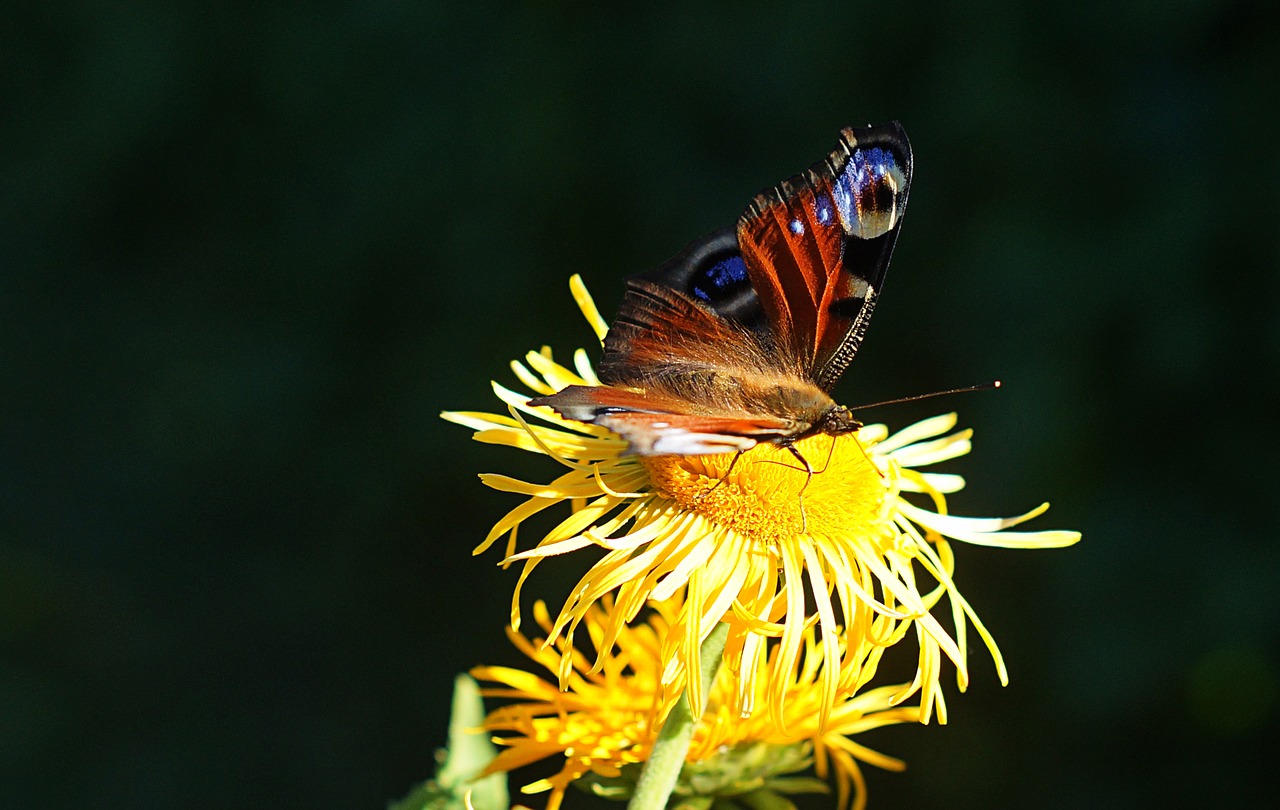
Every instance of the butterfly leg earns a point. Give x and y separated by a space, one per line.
867 456
831 451
804 519
707 492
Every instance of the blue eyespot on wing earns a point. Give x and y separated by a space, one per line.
870 192
711 271
817 284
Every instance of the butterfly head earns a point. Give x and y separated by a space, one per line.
836 421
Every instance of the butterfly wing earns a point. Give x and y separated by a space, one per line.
782 301
662 335
671 365
816 247
800 275
655 425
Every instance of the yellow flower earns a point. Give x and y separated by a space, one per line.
608 719
762 546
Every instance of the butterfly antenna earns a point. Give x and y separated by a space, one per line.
979 387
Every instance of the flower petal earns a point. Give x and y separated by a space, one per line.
925 429
989 531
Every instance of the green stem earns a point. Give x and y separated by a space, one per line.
660 773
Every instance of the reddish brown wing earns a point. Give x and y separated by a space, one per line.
654 425
672 350
817 246
662 333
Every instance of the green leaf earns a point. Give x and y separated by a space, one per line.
797 784
467 754
692 803
766 800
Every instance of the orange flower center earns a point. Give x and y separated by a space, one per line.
767 494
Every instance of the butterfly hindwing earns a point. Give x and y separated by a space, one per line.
660 332
816 247
711 272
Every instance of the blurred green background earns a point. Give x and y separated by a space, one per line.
249 251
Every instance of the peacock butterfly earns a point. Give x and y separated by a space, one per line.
740 338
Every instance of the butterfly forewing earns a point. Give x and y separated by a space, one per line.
816 247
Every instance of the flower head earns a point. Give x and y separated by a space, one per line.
843 557
606 722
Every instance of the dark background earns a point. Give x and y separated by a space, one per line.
247 256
